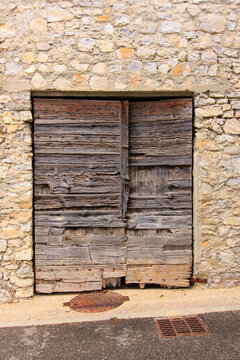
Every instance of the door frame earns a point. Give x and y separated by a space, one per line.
138 96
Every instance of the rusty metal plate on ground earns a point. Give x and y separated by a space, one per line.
187 326
96 302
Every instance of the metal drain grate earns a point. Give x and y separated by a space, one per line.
188 326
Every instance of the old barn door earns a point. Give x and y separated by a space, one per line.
160 202
80 171
103 209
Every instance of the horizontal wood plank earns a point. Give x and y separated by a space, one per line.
165 275
76 130
158 256
173 201
164 109
178 238
79 273
66 201
75 181
48 287
79 218
72 238
89 159
68 108
62 252
156 221
148 160
108 254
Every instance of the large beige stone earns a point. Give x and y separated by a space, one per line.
4 99
7 118
125 53
13 68
210 111
58 14
3 245
86 44
80 79
39 82
25 116
232 220
5 296
38 25
21 283
29 57
42 58
24 255
24 292
99 68
97 82
212 23
106 46
6 31
62 84
170 27
232 126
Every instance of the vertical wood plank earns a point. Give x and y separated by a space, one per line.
124 156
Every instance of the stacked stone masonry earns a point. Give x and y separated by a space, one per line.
146 48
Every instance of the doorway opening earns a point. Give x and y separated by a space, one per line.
112 193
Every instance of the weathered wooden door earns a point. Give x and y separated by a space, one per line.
80 167
159 226
87 232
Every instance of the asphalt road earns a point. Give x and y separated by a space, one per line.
114 339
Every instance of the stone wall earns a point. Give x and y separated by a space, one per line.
146 48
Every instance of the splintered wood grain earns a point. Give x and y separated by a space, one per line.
165 275
79 255
160 180
75 180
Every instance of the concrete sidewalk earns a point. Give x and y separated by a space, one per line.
129 339
146 303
